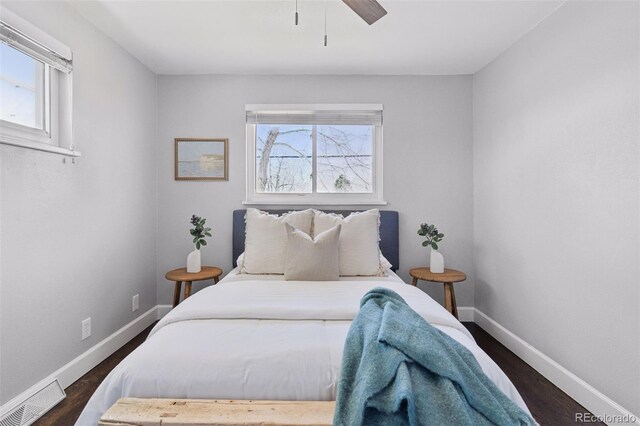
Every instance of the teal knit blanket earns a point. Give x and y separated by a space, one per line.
397 369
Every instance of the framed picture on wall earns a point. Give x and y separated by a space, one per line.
201 159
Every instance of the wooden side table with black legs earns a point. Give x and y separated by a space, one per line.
448 277
182 276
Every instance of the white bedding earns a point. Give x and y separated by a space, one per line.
259 337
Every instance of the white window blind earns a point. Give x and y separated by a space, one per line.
60 59
365 115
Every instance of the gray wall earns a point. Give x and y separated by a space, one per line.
427 159
556 188
78 240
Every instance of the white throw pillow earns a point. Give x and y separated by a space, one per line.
359 236
383 262
312 260
265 244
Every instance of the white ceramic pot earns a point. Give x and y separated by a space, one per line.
436 264
194 263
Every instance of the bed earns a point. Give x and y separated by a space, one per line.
263 338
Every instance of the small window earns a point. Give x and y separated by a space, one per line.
35 88
314 154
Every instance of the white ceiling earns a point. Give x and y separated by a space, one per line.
259 37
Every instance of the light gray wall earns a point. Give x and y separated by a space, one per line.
78 240
427 159
556 169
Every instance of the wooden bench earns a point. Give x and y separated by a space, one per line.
209 412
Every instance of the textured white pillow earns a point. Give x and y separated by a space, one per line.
265 244
383 262
312 260
359 236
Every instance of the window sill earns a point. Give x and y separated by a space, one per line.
39 146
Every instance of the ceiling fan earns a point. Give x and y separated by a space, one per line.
369 10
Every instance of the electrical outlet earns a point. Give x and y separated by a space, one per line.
135 303
86 328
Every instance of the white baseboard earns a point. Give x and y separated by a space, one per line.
585 394
163 310
466 314
81 365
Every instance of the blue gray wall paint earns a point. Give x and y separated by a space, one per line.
78 240
556 193
427 159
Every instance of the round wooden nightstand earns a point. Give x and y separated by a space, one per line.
448 277
181 275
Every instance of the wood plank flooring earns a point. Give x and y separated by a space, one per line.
548 404
67 412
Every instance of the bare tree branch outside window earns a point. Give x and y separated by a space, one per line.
344 155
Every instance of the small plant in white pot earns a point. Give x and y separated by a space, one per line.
199 232
433 237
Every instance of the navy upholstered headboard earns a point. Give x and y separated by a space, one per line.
388 234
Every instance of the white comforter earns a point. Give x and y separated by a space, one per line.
262 339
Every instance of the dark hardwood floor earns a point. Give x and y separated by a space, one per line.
548 404
78 394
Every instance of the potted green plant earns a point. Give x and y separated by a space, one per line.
432 238
198 232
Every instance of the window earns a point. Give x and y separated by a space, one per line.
314 154
22 88
35 88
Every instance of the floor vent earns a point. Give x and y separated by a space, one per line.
35 406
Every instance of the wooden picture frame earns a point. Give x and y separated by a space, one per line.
201 159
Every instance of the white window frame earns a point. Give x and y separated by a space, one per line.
56 133
315 198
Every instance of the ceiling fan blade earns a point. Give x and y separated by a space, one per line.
369 10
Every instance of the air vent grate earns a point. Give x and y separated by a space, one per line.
35 406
